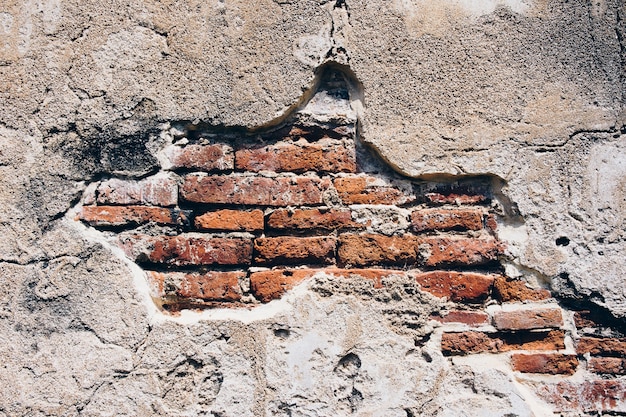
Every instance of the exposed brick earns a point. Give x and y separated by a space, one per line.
446 219
189 250
215 157
372 249
491 223
370 190
232 189
291 250
507 290
582 319
158 190
456 286
614 366
271 285
302 219
527 319
325 155
458 250
545 363
124 215
586 396
602 346
454 198
212 286
461 343
230 220
471 318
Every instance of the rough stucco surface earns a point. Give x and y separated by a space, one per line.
531 92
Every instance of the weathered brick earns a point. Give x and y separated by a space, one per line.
373 249
586 396
613 366
471 318
374 274
446 219
583 320
158 190
188 250
271 285
455 198
507 290
325 155
233 189
292 250
458 250
302 219
230 220
462 343
212 286
456 286
545 363
214 157
370 190
124 215
602 346
526 319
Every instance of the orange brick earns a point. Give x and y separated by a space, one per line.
507 290
231 220
527 319
446 219
602 346
291 250
462 343
374 249
211 286
263 191
370 190
125 215
215 157
459 250
271 285
456 286
545 363
303 219
471 318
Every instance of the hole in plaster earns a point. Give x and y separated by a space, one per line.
562 241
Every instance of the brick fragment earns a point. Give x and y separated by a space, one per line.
233 189
602 346
545 363
373 249
304 219
613 366
230 220
292 250
587 396
455 198
527 319
186 249
583 319
271 285
456 286
462 343
370 190
158 190
458 250
209 158
325 155
471 318
211 286
133 215
446 219
507 290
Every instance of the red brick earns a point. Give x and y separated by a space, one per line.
216 157
507 290
454 198
370 190
471 318
586 396
212 286
230 220
447 219
124 215
189 250
456 286
373 249
459 250
158 191
303 219
271 285
278 191
602 346
545 363
325 155
539 318
462 343
292 250
613 366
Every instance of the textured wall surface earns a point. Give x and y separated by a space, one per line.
526 96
